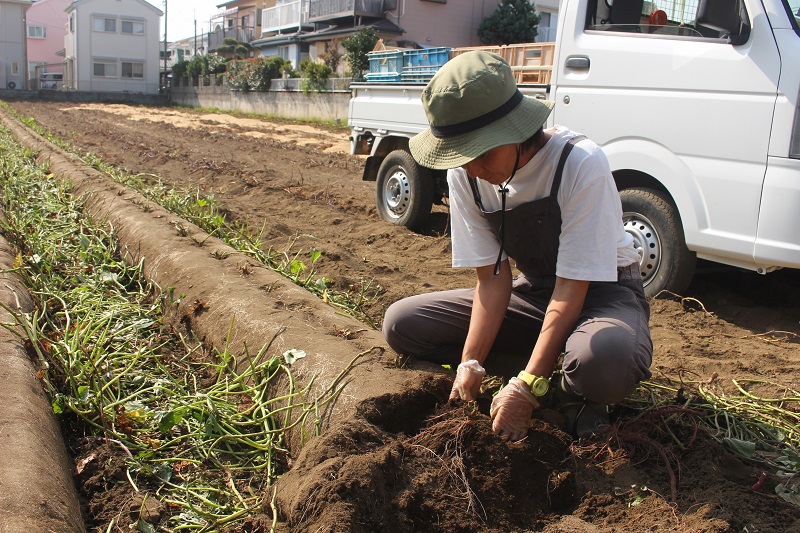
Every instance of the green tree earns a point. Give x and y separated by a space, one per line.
315 75
514 21
356 48
179 68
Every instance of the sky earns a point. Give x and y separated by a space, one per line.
181 15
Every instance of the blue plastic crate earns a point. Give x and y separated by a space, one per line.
416 77
389 61
379 77
426 57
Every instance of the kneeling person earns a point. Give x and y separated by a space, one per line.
546 199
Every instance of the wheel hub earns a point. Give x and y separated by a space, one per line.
646 242
397 192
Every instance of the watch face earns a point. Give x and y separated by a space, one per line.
540 386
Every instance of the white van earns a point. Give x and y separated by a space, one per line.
695 103
51 81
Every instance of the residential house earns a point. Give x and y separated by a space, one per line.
112 45
239 20
46 29
548 13
13 55
186 49
299 29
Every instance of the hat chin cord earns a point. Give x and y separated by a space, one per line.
503 190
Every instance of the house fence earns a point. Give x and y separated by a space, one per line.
279 84
284 99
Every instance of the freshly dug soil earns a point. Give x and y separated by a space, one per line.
413 462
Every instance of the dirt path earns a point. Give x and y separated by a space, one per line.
299 184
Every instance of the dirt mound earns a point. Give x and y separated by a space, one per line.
379 472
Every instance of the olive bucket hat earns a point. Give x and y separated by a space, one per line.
473 105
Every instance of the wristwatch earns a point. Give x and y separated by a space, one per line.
539 385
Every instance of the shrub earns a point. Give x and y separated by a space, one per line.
200 66
356 49
241 51
514 21
332 56
254 74
215 64
315 74
179 69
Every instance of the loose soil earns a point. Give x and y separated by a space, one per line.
416 462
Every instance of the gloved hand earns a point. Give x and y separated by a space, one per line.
511 410
467 384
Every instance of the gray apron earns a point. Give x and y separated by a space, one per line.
610 350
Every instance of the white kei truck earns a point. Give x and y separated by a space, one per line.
695 103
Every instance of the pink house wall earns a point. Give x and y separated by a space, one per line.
452 24
51 15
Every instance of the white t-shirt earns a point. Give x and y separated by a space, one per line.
593 242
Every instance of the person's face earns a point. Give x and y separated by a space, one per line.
494 166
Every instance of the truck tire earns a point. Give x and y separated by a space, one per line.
404 192
651 218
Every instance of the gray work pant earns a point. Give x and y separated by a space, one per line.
606 356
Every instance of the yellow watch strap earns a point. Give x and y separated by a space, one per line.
539 385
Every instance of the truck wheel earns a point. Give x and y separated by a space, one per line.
404 190
653 222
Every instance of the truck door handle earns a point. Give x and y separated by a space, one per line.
578 62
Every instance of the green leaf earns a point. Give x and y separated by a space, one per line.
58 405
744 448
169 420
788 493
83 393
315 254
297 266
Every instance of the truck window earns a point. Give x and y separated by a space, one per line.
793 10
715 19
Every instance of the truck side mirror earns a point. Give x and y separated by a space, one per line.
723 19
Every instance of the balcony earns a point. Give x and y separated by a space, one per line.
242 35
284 16
328 10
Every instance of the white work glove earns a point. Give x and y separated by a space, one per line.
511 410
467 385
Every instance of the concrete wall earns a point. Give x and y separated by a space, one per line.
322 106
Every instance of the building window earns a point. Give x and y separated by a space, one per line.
104 24
36 31
104 70
132 70
283 51
132 26
71 24
14 68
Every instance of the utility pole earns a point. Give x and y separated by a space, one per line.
165 45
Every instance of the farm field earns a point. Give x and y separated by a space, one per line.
298 182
